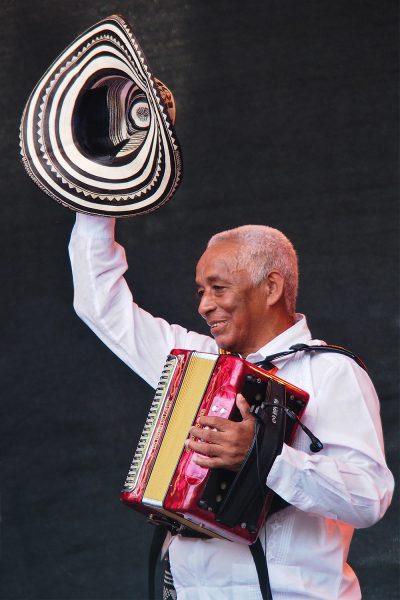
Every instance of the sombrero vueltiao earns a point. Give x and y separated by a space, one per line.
97 131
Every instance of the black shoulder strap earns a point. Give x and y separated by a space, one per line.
305 348
260 562
155 549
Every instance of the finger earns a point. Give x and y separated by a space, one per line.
205 434
214 422
209 462
200 447
243 407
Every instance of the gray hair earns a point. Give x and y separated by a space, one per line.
262 250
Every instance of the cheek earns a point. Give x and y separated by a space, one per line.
236 306
240 316
247 315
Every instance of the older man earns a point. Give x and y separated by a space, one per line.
247 286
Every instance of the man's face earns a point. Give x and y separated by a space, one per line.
234 309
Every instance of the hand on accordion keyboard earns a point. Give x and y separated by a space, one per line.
221 443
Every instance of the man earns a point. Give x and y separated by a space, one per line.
247 286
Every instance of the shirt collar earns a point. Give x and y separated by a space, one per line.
297 333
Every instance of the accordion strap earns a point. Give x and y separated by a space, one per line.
248 485
260 562
306 348
155 550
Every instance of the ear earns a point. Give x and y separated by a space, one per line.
274 285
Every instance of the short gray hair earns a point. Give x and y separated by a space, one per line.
262 250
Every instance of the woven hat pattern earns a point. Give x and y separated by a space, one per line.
96 134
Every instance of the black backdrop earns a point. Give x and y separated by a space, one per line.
287 115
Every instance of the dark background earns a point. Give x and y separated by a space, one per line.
287 115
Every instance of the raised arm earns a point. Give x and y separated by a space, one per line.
104 302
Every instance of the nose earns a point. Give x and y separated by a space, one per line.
206 304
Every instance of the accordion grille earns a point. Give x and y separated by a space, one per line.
150 424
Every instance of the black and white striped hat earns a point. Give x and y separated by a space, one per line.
97 132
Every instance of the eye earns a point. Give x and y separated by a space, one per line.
218 289
199 292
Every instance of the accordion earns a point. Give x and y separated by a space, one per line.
163 481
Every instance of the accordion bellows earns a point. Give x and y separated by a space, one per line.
163 481
97 132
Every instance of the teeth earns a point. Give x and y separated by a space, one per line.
217 323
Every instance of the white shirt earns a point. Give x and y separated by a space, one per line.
347 485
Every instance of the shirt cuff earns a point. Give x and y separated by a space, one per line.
94 226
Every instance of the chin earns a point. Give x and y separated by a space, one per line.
227 345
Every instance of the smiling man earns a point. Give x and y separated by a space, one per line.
247 286
242 290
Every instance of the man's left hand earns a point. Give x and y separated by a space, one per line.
220 442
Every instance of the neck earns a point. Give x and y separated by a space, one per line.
273 327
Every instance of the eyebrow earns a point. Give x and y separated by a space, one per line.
212 279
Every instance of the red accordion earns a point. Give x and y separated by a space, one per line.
163 481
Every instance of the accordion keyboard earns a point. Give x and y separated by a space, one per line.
146 439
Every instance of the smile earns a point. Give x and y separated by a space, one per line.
216 326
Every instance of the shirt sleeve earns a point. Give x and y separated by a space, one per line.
349 479
104 302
